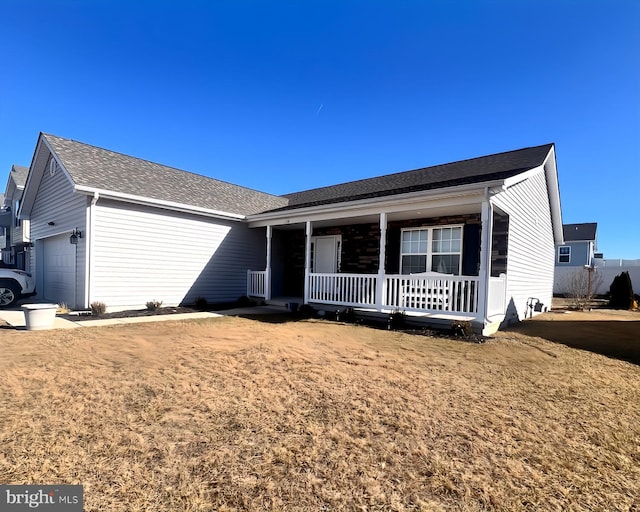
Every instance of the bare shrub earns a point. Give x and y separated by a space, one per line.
201 303
154 305
581 286
98 308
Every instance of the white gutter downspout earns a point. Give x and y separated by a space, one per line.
485 247
89 245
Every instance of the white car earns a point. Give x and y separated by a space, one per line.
14 285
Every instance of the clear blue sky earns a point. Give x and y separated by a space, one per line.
284 96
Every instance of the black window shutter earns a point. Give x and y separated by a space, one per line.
471 250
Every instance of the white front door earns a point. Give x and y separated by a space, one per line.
326 254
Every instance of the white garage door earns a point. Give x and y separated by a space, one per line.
59 267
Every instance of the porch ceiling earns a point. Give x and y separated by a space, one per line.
417 213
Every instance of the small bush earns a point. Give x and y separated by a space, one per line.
244 301
621 292
154 305
396 320
347 315
462 329
98 308
201 303
306 311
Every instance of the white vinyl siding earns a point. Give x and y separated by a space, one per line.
143 253
56 202
531 248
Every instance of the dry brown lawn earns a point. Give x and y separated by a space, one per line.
235 414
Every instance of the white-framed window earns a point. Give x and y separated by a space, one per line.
564 254
431 249
15 213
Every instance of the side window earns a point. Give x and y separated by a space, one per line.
564 254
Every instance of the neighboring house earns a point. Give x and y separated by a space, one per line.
579 245
576 253
467 241
16 231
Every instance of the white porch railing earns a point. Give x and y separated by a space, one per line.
497 304
357 290
446 294
257 283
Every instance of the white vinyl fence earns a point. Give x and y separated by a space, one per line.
602 277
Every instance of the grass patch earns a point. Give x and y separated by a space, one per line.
232 414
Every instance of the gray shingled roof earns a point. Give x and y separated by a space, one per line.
19 175
99 168
579 232
476 170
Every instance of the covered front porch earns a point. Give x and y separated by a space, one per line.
436 297
436 262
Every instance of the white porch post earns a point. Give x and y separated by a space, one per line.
307 260
485 259
267 277
382 251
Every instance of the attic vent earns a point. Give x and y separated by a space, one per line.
53 167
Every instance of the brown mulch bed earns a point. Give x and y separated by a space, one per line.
130 313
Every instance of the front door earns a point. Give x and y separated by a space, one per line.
326 254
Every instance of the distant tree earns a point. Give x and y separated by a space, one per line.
621 292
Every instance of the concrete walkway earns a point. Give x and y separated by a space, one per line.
15 317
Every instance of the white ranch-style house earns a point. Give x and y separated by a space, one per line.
472 240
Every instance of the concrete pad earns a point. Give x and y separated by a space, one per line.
15 318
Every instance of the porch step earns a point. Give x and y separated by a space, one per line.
284 301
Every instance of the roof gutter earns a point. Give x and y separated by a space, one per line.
169 205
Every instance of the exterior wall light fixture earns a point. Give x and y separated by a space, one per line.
75 234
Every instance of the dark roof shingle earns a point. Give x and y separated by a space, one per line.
19 175
475 170
99 168
579 232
